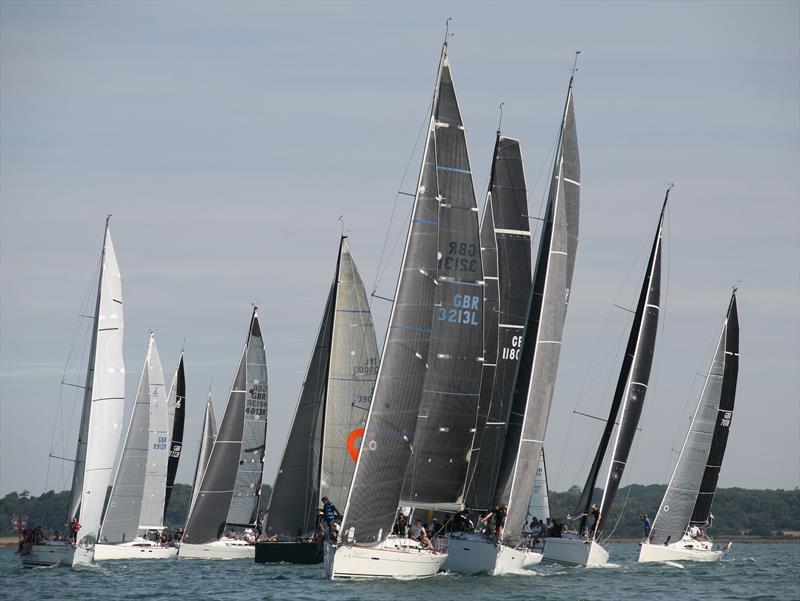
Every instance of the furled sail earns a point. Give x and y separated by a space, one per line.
506 254
103 403
207 438
231 483
681 495
730 373
137 497
626 406
176 405
320 453
386 445
445 427
534 382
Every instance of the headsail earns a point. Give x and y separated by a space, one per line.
535 377
381 467
207 438
176 405
103 404
626 407
539 506
231 482
506 254
702 509
139 471
445 427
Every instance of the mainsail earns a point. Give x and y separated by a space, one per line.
702 509
626 406
103 402
386 445
506 254
137 498
176 405
320 453
539 505
445 427
231 483
206 444
535 377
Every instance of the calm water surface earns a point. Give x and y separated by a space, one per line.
750 571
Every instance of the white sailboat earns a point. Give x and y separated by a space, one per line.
434 256
100 426
512 439
230 487
584 548
686 507
134 518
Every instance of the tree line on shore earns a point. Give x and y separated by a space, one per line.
737 511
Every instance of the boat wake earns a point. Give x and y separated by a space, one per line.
675 564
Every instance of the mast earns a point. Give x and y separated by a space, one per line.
535 376
386 444
445 427
177 410
702 509
631 385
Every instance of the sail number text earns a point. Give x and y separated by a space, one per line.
464 310
160 444
726 419
460 257
513 351
257 403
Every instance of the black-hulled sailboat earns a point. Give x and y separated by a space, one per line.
230 487
626 408
676 534
436 255
515 443
321 450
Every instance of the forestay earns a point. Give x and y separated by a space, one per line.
103 403
445 427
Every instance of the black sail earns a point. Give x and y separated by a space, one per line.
209 513
386 445
445 427
506 253
176 441
294 503
626 406
702 508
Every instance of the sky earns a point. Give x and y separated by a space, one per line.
228 138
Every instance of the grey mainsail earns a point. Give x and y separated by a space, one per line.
122 517
445 427
626 406
535 377
702 509
207 438
176 405
506 253
231 483
386 445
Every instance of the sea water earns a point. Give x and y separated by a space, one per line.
749 571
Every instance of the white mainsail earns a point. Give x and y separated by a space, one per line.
155 475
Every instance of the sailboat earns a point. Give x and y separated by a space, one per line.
134 518
435 255
207 438
525 419
176 409
230 488
321 451
626 407
100 426
687 500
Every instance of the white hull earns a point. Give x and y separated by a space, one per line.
476 554
395 557
218 549
56 554
574 551
133 550
686 549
